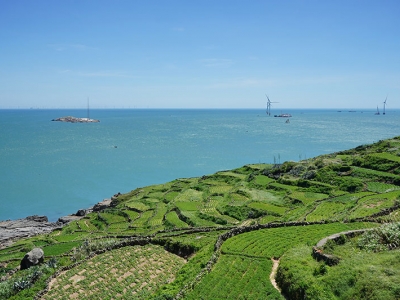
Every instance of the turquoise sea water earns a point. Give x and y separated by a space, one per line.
54 169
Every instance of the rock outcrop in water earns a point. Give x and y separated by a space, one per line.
71 119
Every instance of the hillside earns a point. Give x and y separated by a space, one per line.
214 237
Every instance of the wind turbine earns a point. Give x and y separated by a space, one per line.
269 105
384 105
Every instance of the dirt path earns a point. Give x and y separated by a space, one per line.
275 264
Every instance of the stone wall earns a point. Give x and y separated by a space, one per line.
329 259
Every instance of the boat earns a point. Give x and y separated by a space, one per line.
283 116
377 111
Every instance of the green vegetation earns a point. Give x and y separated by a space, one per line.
251 277
385 237
127 273
368 268
257 243
213 237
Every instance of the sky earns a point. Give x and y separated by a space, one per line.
199 53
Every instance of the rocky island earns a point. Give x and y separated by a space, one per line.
71 119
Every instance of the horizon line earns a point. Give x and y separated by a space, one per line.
339 109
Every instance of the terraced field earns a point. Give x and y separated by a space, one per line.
130 272
226 227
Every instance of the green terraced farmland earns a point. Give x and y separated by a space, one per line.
173 219
330 209
206 237
249 275
137 205
273 242
379 187
280 210
263 180
307 197
190 195
130 272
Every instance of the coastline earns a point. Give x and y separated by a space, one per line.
14 230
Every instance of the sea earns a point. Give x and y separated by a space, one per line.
54 168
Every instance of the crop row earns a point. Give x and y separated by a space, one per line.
236 277
158 216
373 175
127 272
380 187
174 220
307 197
192 216
374 203
273 242
280 210
330 210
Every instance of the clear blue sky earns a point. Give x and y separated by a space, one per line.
199 53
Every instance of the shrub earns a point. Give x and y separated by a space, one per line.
322 269
89 246
382 238
52 263
310 174
6 290
288 166
21 284
98 223
329 246
341 240
241 212
378 163
351 185
212 219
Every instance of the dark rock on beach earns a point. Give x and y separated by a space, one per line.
81 213
102 205
37 218
66 219
75 217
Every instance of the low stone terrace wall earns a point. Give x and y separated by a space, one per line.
330 259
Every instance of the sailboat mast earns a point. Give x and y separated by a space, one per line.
88 108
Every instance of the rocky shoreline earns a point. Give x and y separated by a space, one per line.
13 230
